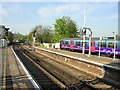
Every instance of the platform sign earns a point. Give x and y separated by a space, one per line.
104 38
110 37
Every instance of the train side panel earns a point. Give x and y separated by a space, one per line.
102 48
65 44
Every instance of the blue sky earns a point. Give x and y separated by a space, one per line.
101 17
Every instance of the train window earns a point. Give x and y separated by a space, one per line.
99 44
66 42
111 45
116 45
77 43
103 44
86 43
62 43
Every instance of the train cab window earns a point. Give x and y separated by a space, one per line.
111 45
103 44
66 42
78 43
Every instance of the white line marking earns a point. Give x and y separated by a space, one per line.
27 73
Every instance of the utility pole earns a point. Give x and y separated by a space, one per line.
114 44
84 30
90 38
100 45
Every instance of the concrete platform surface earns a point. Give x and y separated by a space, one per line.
14 76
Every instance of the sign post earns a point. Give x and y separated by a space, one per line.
90 37
100 46
114 45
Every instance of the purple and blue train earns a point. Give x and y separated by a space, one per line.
106 46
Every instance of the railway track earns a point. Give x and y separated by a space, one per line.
41 78
47 75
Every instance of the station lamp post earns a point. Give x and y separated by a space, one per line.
90 37
114 44
84 35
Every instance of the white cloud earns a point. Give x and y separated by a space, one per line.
59 10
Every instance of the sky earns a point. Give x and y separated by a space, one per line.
101 16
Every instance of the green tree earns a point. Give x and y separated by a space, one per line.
10 36
65 27
29 38
43 34
20 38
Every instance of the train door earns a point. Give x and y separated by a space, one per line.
92 46
61 44
71 44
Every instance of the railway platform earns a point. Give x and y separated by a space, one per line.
94 58
13 74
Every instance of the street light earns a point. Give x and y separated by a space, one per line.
84 35
84 30
114 44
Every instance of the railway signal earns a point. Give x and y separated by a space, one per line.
5 33
34 34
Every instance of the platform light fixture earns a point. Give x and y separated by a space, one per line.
114 44
90 38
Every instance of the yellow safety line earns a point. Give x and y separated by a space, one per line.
4 74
